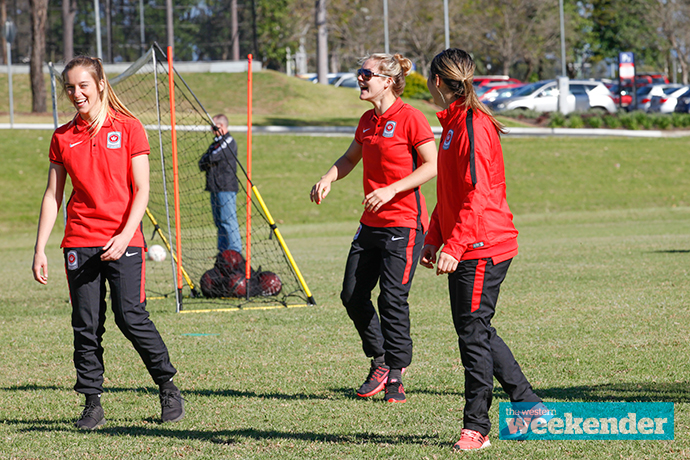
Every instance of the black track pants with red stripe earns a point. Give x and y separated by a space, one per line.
474 289
86 276
389 256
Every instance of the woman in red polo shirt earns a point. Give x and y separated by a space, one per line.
104 150
396 146
473 224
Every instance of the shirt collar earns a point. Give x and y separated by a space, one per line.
392 110
455 109
80 124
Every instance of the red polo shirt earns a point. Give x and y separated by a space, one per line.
389 144
101 172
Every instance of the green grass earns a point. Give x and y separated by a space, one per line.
277 100
595 308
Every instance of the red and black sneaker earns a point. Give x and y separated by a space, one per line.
395 393
375 382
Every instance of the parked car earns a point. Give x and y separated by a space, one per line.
666 103
643 79
347 81
542 96
489 93
481 80
644 95
625 95
683 104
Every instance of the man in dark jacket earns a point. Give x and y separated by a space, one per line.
220 164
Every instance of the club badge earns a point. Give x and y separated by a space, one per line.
72 261
114 140
448 140
359 229
389 129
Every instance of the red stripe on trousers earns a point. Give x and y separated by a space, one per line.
478 285
408 255
142 294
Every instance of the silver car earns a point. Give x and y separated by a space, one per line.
542 96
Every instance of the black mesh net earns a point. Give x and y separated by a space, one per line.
208 278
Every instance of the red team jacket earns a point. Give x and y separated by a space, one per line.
471 219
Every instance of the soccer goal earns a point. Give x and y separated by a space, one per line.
179 216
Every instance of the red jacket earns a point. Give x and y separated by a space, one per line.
471 219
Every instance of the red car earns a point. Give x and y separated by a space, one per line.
481 80
626 94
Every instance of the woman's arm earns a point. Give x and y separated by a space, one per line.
140 175
425 172
52 199
342 167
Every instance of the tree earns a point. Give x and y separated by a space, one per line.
69 10
671 18
39 16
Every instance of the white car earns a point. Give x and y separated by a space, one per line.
644 95
666 103
542 96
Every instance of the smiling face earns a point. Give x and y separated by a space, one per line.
376 87
84 92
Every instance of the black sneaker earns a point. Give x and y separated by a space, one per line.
376 380
172 406
395 393
91 418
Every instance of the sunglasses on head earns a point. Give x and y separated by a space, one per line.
367 74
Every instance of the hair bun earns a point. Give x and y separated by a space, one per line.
405 63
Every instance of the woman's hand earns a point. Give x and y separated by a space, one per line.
114 248
428 256
446 264
40 267
320 190
373 201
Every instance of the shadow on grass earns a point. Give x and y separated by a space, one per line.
678 392
671 251
229 436
619 392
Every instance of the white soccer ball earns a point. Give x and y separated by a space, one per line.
157 253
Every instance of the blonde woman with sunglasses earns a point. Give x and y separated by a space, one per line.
396 147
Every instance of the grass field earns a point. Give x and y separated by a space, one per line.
277 100
595 308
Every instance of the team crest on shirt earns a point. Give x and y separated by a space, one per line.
72 261
448 139
114 140
389 129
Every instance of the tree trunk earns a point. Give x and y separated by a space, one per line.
234 29
39 18
321 42
3 18
109 29
69 10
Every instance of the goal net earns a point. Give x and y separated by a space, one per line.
209 279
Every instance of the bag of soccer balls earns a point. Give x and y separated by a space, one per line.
228 278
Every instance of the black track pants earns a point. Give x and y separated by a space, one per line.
388 256
474 289
86 276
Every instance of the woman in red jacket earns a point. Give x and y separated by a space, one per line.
473 224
